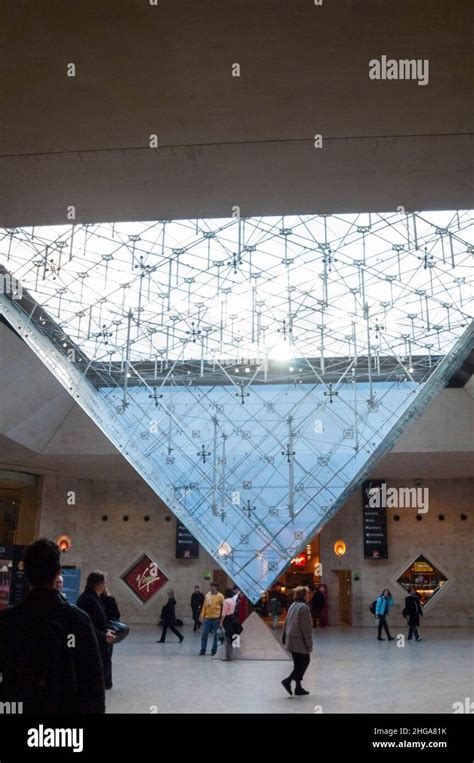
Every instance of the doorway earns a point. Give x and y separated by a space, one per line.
345 597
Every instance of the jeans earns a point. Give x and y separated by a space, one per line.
383 624
210 626
300 663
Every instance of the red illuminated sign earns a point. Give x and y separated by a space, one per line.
144 579
299 561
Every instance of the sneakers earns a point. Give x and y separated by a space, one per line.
286 683
201 653
380 639
391 638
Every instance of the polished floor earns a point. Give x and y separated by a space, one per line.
350 672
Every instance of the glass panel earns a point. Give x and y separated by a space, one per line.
254 370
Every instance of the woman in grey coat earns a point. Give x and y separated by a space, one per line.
298 638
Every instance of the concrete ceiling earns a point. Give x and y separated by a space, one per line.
224 140
42 430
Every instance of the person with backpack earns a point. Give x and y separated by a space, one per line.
49 655
90 602
168 617
413 612
382 608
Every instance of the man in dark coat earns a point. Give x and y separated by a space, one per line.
169 619
49 656
318 602
413 612
197 600
90 602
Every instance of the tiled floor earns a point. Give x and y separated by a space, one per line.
350 672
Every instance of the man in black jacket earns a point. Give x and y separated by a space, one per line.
90 602
413 612
197 600
49 656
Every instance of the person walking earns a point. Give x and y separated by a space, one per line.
298 638
90 602
210 616
38 665
274 608
413 611
318 602
168 616
382 608
197 600
228 621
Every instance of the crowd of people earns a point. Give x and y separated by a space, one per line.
56 657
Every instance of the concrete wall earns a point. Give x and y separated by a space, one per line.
114 545
447 544
224 140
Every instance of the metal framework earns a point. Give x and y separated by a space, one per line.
252 371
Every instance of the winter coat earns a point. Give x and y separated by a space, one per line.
168 613
413 609
318 602
298 631
383 606
109 604
197 600
274 606
90 602
34 640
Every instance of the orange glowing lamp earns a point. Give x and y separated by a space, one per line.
340 548
64 543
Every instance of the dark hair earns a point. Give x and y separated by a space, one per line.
93 579
196 586
214 584
411 589
42 561
385 589
228 593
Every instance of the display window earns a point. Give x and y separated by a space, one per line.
425 577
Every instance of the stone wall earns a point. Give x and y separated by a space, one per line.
114 545
448 544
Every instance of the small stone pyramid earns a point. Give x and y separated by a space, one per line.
257 642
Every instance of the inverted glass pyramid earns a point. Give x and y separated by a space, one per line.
252 371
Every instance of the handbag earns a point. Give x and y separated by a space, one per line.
120 629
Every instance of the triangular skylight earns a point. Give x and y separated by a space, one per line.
252 371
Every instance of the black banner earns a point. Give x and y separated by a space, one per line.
375 520
429 737
187 547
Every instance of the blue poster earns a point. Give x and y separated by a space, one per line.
72 583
